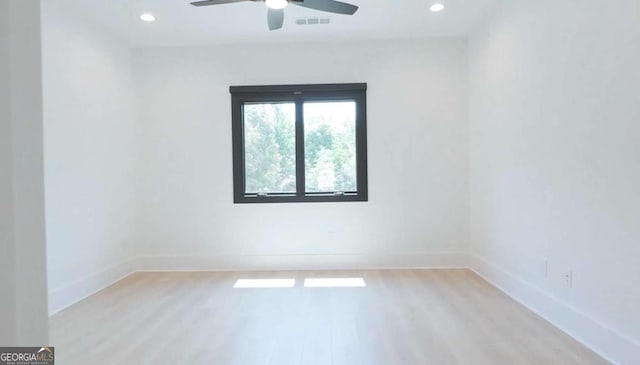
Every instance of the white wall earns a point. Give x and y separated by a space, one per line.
89 144
417 140
23 286
555 163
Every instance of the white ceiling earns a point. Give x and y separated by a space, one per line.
178 23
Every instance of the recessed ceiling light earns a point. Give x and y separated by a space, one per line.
276 4
436 7
147 17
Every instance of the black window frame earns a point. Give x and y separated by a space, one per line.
299 94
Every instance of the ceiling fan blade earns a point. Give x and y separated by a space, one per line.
216 2
275 18
330 6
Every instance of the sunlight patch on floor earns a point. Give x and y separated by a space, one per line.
264 283
334 283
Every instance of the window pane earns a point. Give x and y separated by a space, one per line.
270 148
330 146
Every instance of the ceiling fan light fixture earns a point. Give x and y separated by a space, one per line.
276 4
436 7
147 17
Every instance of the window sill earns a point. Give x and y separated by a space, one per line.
307 198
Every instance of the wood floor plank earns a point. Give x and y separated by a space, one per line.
401 317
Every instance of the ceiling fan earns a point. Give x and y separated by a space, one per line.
275 16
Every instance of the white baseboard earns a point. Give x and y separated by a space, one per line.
63 297
608 343
303 262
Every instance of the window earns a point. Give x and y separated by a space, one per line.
299 143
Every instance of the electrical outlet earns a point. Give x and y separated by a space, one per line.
544 267
568 279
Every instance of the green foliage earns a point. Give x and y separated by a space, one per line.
270 150
317 140
330 147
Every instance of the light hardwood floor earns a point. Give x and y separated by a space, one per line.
401 317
